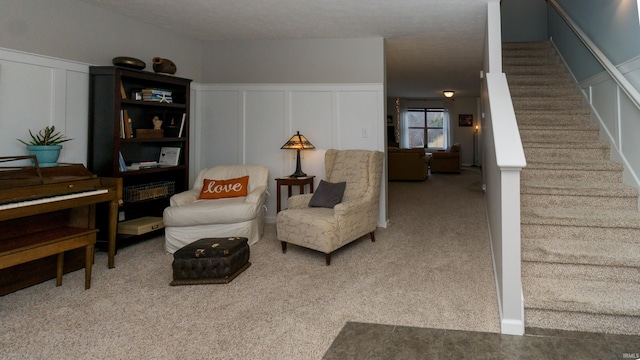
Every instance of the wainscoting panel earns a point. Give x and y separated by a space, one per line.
630 132
360 126
218 129
618 117
248 123
264 117
603 99
38 91
312 115
230 123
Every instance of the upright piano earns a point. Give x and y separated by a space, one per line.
48 210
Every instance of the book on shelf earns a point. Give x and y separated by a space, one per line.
122 135
123 93
155 94
130 127
126 125
184 115
143 165
122 166
169 156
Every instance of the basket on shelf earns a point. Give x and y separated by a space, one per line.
150 191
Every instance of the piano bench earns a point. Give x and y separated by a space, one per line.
52 242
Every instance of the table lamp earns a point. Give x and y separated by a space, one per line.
298 142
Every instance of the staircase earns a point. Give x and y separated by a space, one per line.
580 223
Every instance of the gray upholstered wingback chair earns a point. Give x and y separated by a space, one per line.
327 229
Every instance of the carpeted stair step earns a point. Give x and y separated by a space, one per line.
567 151
559 133
529 52
552 70
583 322
567 117
546 192
520 59
603 252
547 104
621 221
583 224
584 296
535 229
613 219
572 173
558 114
550 79
582 305
580 225
610 273
527 45
542 54
544 91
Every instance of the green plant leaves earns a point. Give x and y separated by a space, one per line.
46 136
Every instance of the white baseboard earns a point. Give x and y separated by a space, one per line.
511 327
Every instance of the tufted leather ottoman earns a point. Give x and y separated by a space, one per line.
210 261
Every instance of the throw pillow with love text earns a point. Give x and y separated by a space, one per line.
220 189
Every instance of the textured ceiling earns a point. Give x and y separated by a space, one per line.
431 45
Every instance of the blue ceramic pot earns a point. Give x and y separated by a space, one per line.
47 155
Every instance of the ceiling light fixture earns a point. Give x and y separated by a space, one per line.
448 93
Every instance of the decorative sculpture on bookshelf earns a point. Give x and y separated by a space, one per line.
163 66
157 123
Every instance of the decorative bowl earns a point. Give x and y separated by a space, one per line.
129 62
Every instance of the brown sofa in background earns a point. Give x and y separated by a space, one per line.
407 164
446 161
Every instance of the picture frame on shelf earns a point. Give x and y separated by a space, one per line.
169 156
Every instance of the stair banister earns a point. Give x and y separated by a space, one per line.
502 160
609 67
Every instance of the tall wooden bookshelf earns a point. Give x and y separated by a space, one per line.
117 144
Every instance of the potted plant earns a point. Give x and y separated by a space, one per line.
45 145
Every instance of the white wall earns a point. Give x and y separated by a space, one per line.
77 31
248 123
38 91
295 61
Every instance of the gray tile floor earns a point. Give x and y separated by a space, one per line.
374 341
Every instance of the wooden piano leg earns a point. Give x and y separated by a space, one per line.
59 269
113 226
87 266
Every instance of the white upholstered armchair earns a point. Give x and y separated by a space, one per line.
326 229
190 218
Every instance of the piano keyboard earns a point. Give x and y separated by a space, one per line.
52 199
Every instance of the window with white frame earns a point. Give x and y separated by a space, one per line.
427 128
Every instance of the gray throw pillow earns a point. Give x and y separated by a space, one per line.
327 194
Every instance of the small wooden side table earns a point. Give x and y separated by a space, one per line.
290 182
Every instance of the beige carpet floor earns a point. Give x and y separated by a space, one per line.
430 268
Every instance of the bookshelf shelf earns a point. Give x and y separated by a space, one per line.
127 102
112 96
